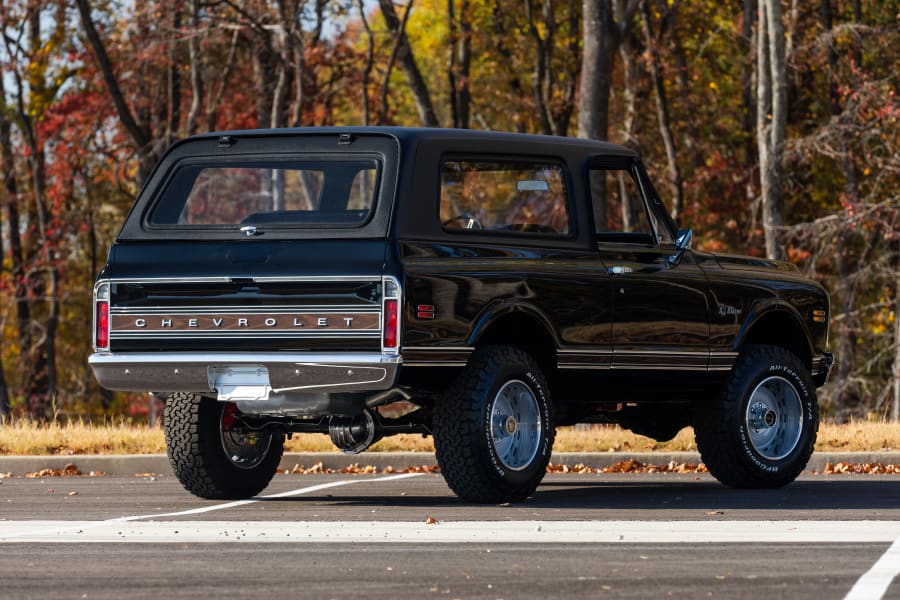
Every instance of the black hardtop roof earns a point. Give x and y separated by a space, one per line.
407 135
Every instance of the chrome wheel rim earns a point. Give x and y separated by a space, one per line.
515 425
245 449
774 418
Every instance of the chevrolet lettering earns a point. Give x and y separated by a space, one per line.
480 287
127 323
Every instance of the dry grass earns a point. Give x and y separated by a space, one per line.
25 438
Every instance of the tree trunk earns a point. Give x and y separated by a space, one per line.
417 85
41 392
831 56
676 186
771 94
628 51
499 37
596 69
459 62
895 406
173 82
194 63
216 99
858 19
138 132
562 117
748 113
5 406
845 300
264 64
392 60
604 26
543 44
16 252
370 62
44 394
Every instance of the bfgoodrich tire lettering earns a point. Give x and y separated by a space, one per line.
196 447
493 431
762 431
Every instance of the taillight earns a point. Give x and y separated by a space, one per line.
101 317
390 324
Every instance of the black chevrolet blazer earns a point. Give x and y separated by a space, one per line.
479 287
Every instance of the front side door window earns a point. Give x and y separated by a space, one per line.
619 211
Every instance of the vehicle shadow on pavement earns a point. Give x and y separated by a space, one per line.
853 495
871 498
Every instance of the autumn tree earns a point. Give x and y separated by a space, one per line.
30 49
404 54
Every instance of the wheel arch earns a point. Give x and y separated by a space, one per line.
777 325
518 325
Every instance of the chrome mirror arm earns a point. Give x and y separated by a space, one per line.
682 244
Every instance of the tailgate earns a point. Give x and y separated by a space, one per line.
309 295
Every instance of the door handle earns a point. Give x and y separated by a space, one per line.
619 270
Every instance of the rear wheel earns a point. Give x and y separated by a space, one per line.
493 432
762 430
213 454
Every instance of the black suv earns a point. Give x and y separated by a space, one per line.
480 287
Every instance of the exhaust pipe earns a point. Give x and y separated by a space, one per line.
352 435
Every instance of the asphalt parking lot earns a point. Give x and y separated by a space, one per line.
390 536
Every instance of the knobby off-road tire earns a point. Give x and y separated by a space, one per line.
493 430
761 432
210 453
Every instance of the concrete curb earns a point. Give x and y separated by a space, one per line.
130 465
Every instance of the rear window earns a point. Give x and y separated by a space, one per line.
503 196
269 193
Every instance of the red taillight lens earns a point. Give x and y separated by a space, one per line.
102 340
390 323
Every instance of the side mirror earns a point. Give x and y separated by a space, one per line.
682 244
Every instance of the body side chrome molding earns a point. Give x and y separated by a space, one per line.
644 360
431 356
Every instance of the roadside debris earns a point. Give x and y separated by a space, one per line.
70 470
876 468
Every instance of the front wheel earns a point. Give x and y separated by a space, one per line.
493 432
214 455
761 432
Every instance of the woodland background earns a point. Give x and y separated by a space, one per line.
771 127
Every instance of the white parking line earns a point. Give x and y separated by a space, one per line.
289 494
491 532
876 581
10 533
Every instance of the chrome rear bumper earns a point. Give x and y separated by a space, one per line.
199 371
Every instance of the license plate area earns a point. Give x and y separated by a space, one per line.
240 383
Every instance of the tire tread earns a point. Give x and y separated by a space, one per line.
196 464
458 422
714 424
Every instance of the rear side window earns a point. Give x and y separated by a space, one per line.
504 196
336 193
